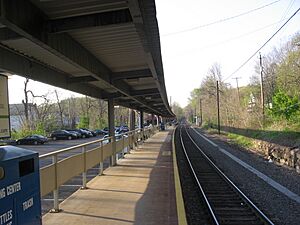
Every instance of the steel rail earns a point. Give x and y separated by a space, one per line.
264 219
211 211
254 207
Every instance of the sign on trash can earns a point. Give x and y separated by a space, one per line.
19 187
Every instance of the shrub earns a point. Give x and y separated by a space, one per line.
284 106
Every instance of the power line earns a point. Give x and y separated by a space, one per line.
241 66
239 36
287 10
221 20
229 40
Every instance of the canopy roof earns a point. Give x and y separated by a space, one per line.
100 48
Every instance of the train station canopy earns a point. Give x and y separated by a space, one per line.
100 48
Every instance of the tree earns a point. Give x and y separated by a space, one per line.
33 112
284 106
102 120
60 109
178 111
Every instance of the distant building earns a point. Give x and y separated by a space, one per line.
251 103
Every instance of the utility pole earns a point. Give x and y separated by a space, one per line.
195 115
218 106
200 104
262 85
237 87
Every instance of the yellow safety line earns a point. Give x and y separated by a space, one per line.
179 199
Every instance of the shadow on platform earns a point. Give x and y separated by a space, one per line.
158 204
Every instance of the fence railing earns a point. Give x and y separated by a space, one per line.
70 162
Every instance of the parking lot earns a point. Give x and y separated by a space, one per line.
51 146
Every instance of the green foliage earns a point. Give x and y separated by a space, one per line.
40 129
84 122
25 132
178 111
288 75
101 123
284 106
240 140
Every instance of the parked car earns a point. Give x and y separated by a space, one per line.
62 134
92 132
34 139
83 133
78 134
117 136
100 132
122 129
86 133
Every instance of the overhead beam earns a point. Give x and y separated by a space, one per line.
152 91
115 95
131 74
81 79
91 20
153 101
18 64
7 34
158 104
155 96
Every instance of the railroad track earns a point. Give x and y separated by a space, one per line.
224 203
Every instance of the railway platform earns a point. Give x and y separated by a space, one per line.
140 190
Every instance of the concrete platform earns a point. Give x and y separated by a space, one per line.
140 190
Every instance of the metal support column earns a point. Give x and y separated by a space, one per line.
142 124
84 177
55 191
132 120
152 123
132 127
152 119
111 126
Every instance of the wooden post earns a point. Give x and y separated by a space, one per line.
218 106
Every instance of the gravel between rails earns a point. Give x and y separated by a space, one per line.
278 207
195 212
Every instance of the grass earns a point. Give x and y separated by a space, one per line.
240 140
282 133
235 138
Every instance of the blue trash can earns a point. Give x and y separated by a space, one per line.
19 186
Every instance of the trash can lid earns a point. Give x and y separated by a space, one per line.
8 152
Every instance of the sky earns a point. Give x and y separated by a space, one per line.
190 46
187 56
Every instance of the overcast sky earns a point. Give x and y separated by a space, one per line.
190 46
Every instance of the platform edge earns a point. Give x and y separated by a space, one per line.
179 198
